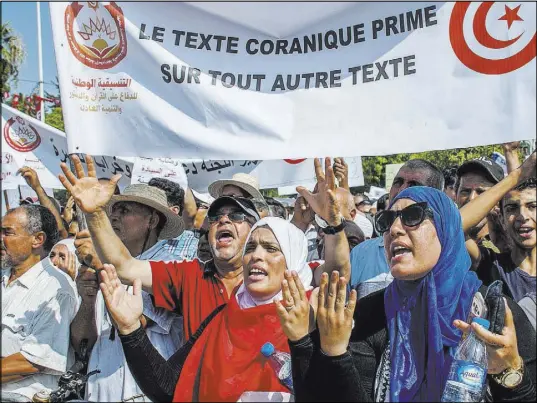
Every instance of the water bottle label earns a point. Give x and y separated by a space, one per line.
471 375
285 370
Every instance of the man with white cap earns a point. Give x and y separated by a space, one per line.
139 217
241 184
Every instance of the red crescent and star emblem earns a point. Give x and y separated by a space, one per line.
481 64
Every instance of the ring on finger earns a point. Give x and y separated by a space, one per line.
289 307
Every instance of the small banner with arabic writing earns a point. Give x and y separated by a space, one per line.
29 142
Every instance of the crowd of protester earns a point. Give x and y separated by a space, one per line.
173 295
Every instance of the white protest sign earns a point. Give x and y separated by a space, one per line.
376 192
8 174
144 169
277 80
391 170
30 142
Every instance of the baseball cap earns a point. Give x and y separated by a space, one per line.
246 205
491 169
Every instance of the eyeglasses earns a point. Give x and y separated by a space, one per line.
411 216
234 217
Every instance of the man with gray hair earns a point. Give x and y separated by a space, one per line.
38 304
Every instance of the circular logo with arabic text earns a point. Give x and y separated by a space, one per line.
20 135
96 33
482 64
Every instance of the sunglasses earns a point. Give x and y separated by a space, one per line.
234 217
411 216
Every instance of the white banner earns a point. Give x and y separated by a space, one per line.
270 174
293 80
29 142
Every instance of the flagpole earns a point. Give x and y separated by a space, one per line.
40 62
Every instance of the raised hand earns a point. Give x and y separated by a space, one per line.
90 195
71 265
323 202
341 171
85 250
87 284
303 214
30 176
296 316
512 146
68 209
528 168
124 308
334 317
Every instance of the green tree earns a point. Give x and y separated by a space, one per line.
13 55
55 118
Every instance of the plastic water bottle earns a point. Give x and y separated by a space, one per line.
280 363
468 374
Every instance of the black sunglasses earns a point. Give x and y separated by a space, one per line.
234 217
410 216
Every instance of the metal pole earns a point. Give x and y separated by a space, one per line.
40 62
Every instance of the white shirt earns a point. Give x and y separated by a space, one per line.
37 310
115 382
311 235
364 224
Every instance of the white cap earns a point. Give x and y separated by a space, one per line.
203 197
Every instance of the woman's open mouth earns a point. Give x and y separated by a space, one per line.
257 274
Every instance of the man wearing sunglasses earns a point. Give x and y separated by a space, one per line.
369 268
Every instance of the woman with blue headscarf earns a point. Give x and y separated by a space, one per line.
404 337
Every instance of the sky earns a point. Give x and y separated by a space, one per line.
23 18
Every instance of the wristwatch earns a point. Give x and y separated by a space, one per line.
510 378
328 229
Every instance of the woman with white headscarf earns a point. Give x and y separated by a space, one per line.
63 256
223 359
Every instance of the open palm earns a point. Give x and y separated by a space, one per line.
323 202
89 194
124 308
528 168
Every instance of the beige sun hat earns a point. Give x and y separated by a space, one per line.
155 198
246 182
